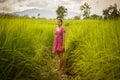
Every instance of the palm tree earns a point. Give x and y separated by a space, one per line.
85 8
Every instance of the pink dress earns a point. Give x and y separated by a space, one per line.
58 40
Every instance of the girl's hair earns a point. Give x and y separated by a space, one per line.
60 20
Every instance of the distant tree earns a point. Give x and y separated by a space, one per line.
106 13
85 9
119 11
8 15
76 17
43 18
33 17
25 16
61 12
111 12
38 15
95 16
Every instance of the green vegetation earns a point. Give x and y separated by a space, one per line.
111 12
85 9
61 12
92 49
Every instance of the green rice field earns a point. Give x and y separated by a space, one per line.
92 49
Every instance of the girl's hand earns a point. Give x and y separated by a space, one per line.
63 48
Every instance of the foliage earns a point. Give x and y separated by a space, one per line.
38 15
92 49
7 15
61 11
76 17
25 49
85 9
33 17
111 12
94 16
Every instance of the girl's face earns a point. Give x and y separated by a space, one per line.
59 23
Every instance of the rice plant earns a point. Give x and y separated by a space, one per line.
92 49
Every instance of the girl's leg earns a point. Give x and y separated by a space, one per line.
60 55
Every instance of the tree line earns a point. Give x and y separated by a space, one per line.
112 12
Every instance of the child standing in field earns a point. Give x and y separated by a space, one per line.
59 40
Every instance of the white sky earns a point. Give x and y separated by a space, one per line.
72 5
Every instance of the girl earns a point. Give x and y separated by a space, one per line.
58 44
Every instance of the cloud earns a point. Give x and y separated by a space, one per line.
5 8
2 1
77 1
72 5
21 0
41 4
97 6
64 2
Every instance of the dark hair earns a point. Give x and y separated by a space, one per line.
60 20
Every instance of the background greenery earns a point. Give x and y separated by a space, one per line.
92 49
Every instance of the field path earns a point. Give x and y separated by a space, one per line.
53 74
60 74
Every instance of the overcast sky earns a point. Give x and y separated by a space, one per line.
72 5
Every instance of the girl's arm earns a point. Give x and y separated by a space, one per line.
64 40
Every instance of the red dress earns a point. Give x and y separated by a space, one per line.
58 40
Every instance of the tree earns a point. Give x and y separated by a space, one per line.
119 11
76 17
106 13
25 16
111 12
95 16
38 15
85 9
61 12
8 15
33 17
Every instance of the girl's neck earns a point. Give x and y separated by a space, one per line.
59 26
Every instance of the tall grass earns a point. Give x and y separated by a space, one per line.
92 49
25 49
